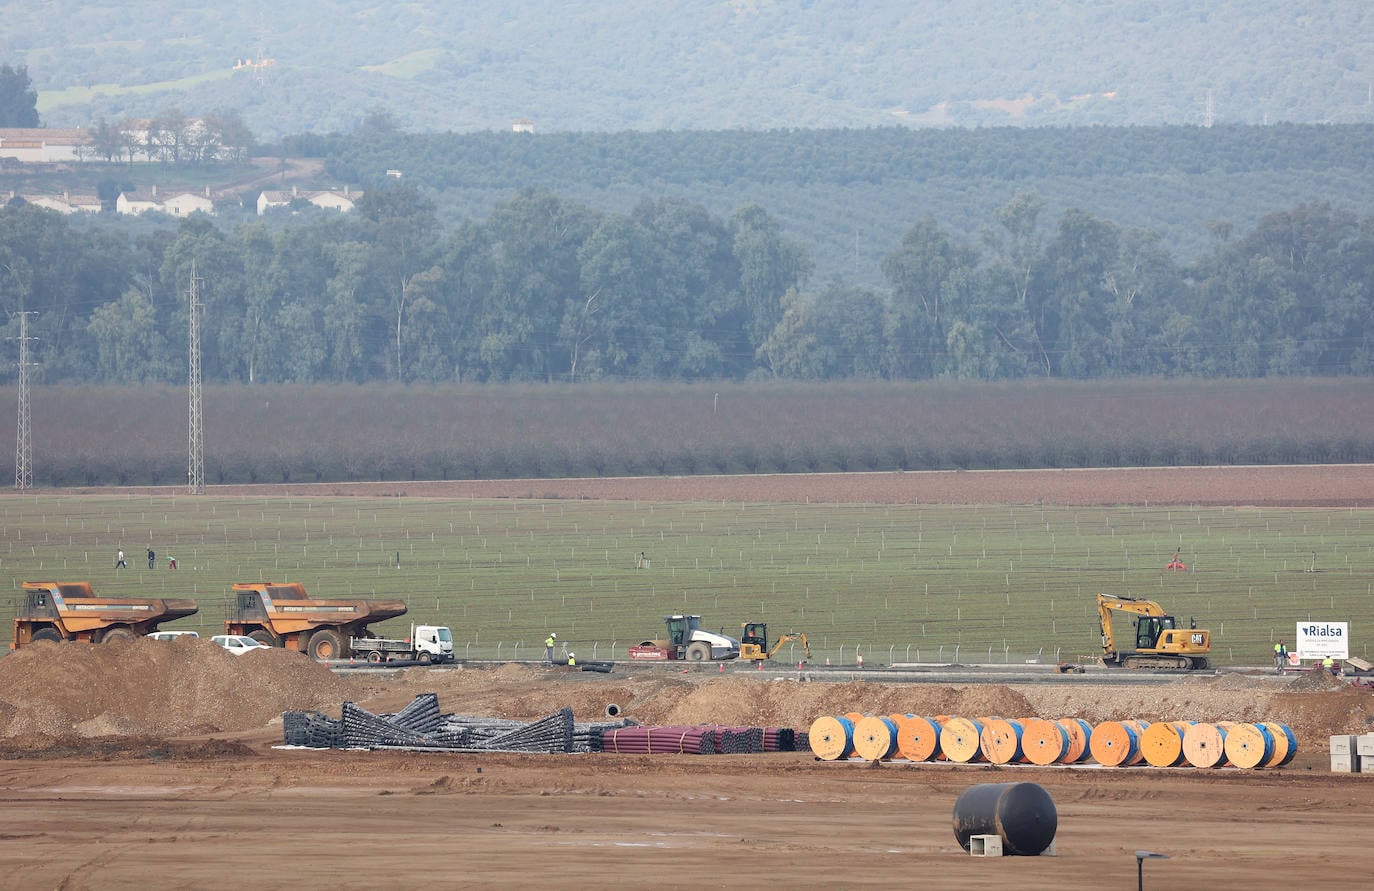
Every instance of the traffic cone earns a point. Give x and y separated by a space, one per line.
861 660
827 660
722 668
758 666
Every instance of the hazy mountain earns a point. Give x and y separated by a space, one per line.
586 65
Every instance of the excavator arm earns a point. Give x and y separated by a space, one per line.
789 638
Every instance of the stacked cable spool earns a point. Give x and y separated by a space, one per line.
1039 741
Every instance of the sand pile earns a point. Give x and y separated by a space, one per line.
155 688
191 687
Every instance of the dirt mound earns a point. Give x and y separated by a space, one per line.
155 688
1315 716
187 687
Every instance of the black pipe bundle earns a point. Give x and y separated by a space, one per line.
312 730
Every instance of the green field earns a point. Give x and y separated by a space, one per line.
897 583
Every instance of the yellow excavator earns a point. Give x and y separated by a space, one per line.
1160 644
753 641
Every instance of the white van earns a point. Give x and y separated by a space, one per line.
171 635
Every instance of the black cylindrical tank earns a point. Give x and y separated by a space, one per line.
1021 814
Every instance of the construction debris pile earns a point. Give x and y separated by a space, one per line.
421 726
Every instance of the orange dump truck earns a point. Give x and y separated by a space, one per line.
59 611
281 614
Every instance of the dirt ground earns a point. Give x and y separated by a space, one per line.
157 764
1326 485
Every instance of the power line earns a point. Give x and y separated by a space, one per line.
195 472
23 449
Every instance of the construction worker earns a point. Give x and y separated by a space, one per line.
1280 656
1329 665
548 647
572 658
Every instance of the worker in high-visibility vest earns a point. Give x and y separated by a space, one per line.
572 658
1329 664
1280 655
548 647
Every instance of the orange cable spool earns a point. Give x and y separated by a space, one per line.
1000 740
1285 744
875 738
1204 745
1114 744
1162 743
918 738
1044 742
854 717
959 740
831 738
941 720
1139 727
1080 735
1249 746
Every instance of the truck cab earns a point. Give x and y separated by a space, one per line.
434 641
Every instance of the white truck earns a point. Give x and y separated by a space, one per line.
426 644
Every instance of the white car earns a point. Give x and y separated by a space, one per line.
238 644
171 635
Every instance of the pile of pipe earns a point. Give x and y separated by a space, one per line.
697 740
420 726
1039 741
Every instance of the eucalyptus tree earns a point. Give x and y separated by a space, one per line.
401 231
535 238
932 279
1015 306
1074 315
469 263
697 284
129 345
768 266
1291 297
616 325
58 272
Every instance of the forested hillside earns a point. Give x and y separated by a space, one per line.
847 195
578 65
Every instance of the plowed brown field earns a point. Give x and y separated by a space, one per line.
152 765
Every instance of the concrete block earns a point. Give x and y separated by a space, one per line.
1344 744
1364 745
1366 765
1346 762
985 845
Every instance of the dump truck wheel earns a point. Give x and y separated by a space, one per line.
51 634
326 644
375 656
263 636
424 658
115 634
699 652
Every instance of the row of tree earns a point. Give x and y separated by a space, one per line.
174 138
548 289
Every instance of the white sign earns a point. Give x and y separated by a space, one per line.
1317 640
